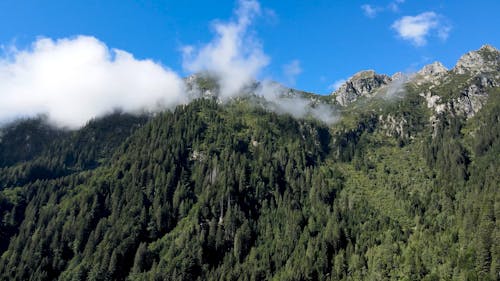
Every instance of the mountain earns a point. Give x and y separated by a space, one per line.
363 83
404 185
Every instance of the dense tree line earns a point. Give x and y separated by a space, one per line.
234 192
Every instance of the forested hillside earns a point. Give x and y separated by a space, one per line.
404 186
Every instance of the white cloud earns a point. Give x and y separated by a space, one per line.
370 11
73 80
233 55
291 70
337 84
417 28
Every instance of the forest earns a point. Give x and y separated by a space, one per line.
212 191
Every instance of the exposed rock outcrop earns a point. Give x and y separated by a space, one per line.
468 103
364 83
473 98
433 69
393 125
432 73
467 84
433 102
483 66
486 59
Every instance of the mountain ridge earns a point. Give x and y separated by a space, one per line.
402 186
483 60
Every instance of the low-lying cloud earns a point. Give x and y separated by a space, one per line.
283 100
73 80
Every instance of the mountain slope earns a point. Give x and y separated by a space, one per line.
405 186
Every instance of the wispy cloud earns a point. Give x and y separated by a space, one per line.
233 55
417 29
282 100
370 11
394 6
236 58
443 32
336 84
291 70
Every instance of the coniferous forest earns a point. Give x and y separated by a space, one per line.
393 190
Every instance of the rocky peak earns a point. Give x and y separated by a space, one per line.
433 69
488 47
364 83
398 76
431 73
486 59
477 74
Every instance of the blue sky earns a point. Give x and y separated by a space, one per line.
310 44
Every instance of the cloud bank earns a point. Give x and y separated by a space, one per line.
417 28
74 80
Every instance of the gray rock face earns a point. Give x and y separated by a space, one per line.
482 66
433 69
486 59
474 97
393 125
364 83
470 101
432 73
480 69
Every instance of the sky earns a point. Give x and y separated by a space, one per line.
311 44
148 46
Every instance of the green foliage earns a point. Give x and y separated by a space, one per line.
234 192
37 151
